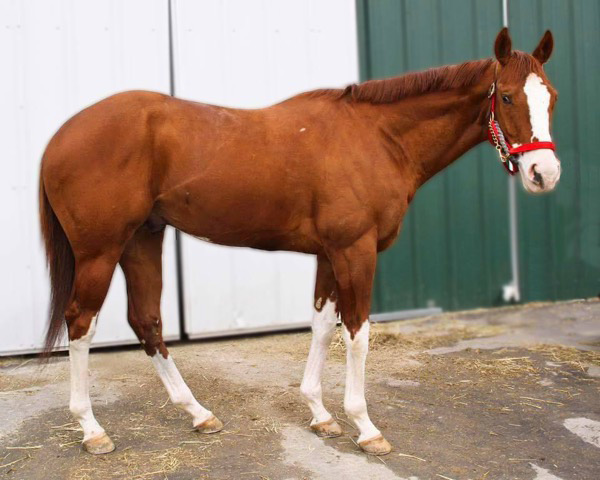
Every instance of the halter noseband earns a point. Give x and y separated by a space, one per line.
497 138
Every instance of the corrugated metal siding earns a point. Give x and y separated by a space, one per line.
560 233
453 251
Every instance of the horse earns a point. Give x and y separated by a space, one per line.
329 173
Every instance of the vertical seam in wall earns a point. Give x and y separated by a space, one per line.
445 183
548 201
364 58
576 150
487 266
513 204
412 219
364 73
178 244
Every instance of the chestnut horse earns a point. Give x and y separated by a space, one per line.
329 173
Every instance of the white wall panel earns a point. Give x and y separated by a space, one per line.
252 53
57 57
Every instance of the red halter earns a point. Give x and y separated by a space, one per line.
500 142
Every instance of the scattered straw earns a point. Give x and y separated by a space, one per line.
345 422
544 401
21 364
568 356
354 442
68 444
15 461
531 405
33 447
411 456
504 367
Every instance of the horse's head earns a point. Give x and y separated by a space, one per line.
524 103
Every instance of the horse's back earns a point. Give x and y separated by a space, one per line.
238 177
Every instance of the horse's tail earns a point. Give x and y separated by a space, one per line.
61 263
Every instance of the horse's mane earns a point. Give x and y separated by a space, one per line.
437 79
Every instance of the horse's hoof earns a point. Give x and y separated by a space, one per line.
376 446
212 425
328 429
99 445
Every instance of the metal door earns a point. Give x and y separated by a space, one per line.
252 54
58 57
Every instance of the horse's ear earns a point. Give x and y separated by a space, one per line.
503 46
544 49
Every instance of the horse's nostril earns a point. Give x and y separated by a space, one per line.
536 176
532 171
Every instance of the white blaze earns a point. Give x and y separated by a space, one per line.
543 161
538 99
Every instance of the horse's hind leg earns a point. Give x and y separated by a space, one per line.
92 279
142 264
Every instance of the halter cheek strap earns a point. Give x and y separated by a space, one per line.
505 150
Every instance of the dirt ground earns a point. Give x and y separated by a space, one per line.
512 393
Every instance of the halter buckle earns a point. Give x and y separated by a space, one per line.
491 90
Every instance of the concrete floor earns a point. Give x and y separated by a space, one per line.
512 394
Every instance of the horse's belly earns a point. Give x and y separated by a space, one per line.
240 217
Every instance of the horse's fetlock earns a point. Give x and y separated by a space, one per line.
355 408
79 409
311 392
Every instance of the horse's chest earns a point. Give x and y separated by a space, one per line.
389 226
386 240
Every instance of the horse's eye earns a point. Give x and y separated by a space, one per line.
506 99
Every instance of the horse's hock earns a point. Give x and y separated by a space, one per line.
509 393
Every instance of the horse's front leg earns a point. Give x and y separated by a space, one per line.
354 268
323 328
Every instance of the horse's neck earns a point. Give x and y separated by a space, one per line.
431 131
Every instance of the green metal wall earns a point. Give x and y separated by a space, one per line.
560 233
454 251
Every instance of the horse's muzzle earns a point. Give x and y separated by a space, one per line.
540 170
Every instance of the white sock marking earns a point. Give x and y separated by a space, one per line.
178 391
538 99
323 327
80 403
355 404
